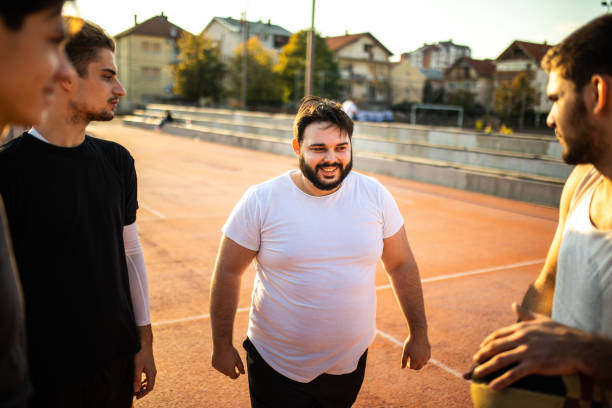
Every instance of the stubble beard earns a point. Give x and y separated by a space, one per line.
311 173
585 144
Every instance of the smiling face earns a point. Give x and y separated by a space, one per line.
97 93
32 59
325 157
568 116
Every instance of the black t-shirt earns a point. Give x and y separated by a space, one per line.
14 383
67 208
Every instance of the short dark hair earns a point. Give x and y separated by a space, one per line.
14 15
584 53
315 109
82 48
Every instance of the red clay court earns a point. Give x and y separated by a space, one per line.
476 255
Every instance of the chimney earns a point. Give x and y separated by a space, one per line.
162 14
269 21
135 19
346 32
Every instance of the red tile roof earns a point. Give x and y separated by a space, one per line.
336 43
157 26
484 68
533 50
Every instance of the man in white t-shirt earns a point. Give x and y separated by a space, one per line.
317 235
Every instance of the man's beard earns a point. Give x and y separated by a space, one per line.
585 144
311 173
102 116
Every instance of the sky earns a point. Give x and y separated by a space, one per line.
486 26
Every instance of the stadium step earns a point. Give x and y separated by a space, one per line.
521 176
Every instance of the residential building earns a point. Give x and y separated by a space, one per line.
228 33
145 54
407 82
474 76
438 56
523 56
365 69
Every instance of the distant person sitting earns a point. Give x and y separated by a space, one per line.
168 118
350 108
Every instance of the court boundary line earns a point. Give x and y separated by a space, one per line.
472 273
381 287
432 360
160 215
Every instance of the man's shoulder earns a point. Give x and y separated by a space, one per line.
274 184
109 147
577 182
12 147
364 181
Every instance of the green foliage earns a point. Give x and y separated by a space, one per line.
199 72
514 98
292 68
263 83
463 98
431 95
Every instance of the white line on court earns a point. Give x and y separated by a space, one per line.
381 287
470 273
190 318
160 215
433 361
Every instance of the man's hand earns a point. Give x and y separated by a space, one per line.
537 345
417 349
144 363
227 361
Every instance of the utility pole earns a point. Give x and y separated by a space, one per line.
310 55
607 5
245 56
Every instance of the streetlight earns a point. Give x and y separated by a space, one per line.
607 5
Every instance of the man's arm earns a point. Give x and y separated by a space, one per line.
406 282
144 362
232 262
539 345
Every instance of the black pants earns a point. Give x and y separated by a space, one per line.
270 389
107 387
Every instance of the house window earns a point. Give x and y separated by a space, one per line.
280 41
150 73
148 47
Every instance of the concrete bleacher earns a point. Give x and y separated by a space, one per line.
521 167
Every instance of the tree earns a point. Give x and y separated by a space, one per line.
263 83
431 94
199 72
514 99
463 98
292 66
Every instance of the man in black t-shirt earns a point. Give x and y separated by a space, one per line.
71 204
31 59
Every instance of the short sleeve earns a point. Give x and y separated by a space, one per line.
244 223
392 218
131 193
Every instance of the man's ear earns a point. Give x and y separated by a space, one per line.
597 94
296 147
66 84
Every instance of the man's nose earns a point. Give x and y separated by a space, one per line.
119 90
550 119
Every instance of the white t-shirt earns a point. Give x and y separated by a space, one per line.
314 299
